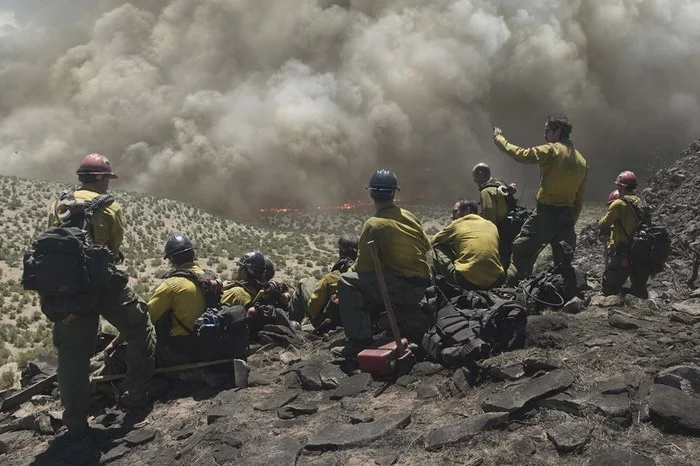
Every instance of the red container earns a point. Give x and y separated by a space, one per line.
382 360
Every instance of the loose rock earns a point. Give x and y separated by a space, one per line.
674 411
277 400
351 386
684 377
622 321
427 391
574 306
616 457
345 436
516 397
570 436
139 437
463 430
114 454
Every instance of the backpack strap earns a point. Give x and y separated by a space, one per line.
639 215
491 184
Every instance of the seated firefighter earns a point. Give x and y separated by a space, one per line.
176 304
249 280
617 227
191 323
402 247
322 306
466 251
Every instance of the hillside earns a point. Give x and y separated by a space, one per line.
613 383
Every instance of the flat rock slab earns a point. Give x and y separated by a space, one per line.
618 457
139 437
674 411
570 436
516 397
622 321
277 400
689 306
352 386
683 318
561 402
463 430
114 454
361 418
427 368
335 436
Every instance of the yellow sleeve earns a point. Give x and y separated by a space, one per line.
534 155
364 260
320 296
161 301
489 209
612 215
236 296
442 237
116 235
578 201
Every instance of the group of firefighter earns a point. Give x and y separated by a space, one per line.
469 253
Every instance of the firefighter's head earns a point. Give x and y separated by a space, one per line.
481 173
557 128
383 185
464 207
95 171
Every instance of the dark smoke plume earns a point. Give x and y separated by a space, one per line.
236 105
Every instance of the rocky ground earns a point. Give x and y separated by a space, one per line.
612 381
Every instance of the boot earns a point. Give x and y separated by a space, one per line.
352 348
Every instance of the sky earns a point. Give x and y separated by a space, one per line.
235 105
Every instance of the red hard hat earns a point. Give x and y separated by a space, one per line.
626 179
95 164
613 196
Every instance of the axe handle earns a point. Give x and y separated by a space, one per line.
164 370
385 296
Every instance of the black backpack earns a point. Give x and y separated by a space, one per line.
472 326
220 332
651 244
64 266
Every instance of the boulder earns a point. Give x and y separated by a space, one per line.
684 377
623 321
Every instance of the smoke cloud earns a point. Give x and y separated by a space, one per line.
236 105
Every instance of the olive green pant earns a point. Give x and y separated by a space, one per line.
361 305
75 339
300 301
619 270
546 225
443 264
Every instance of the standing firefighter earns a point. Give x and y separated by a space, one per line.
75 336
618 227
563 172
402 247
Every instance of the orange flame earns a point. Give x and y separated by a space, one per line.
347 205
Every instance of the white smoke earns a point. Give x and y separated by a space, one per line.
237 104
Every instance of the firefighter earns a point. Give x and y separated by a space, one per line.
563 173
250 278
617 228
466 251
494 206
322 304
402 247
176 304
75 337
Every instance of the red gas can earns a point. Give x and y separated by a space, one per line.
383 360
